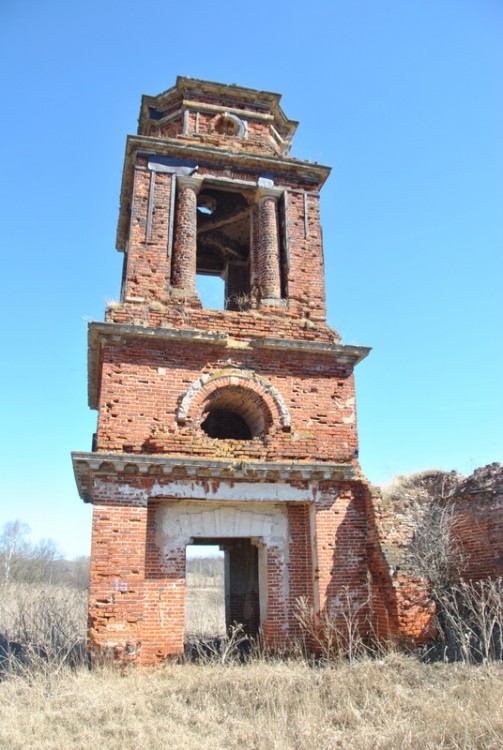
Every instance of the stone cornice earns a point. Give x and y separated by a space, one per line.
89 466
205 155
342 352
99 332
253 102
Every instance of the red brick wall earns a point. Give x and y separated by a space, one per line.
341 537
478 515
116 579
137 591
164 600
148 269
148 265
141 387
300 562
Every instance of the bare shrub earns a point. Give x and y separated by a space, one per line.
469 614
41 627
470 620
241 301
435 551
232 647
343 632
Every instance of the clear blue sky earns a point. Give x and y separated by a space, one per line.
403 98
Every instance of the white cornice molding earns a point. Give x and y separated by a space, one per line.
89 467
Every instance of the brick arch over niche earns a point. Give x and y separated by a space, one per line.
260 404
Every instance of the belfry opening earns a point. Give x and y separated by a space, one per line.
223 241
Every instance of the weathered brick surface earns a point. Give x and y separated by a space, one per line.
478 504
148 266
185 247
474 505
161 363
142 386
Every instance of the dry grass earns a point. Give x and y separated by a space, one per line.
204 613
204 599
392 703
41 613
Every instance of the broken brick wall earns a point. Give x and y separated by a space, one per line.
474 507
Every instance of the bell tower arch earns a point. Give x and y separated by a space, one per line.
235 424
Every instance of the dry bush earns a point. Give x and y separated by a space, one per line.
435 551
42 627
234 646
343 632
470 620
241 301
395 702
469 614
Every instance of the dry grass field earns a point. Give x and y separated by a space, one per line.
204 599
392 702
395 702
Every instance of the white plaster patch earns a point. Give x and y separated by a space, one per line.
103 490
233 491
178 523
348 420
350 404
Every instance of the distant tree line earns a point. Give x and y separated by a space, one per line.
23 561
205 571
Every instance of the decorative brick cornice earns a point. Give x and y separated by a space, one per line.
88 466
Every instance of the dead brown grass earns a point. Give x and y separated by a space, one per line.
395 702
204 613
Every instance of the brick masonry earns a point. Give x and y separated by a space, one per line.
160 364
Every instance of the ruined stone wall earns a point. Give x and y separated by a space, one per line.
474 507
478 514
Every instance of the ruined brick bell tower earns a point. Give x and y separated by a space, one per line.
234 427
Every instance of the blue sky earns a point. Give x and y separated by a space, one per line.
403 98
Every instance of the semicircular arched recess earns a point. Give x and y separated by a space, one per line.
222 401
228 124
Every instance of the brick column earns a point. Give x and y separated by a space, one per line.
183 274
268 247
